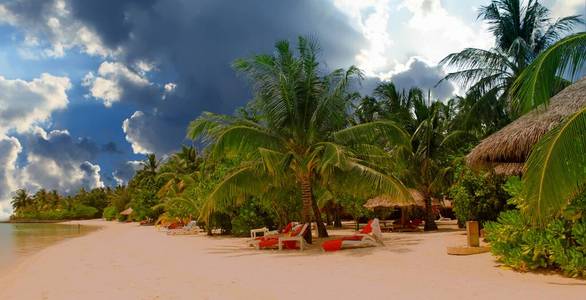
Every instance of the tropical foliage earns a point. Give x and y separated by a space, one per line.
522 30
302 136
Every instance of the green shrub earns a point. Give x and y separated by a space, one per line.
478 197
122 218
249 216
110 213
561 244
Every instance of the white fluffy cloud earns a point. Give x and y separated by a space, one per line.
146 133
126 171
25 103
397 32
54 160
58 27
109 83
9 149
371 18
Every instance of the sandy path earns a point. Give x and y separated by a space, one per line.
125 261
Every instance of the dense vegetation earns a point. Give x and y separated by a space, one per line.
309 147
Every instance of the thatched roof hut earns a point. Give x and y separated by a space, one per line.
387 201
507 149
127 211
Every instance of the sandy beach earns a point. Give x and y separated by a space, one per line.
126 261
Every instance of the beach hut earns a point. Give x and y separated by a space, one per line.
506 150
127 212
390 202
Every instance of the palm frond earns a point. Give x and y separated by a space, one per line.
242 181
556 169
538 81
371 132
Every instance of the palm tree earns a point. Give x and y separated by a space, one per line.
20 200
521 33
302 136
151 164
398 105
422 163
556 169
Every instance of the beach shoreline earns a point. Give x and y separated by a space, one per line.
128 261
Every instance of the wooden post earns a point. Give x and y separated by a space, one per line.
472 233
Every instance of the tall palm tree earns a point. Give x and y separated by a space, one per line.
20 200
521 32
422 163
302 137
398 105
556 169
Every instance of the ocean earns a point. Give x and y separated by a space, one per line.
22 239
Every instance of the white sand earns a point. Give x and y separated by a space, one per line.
126 261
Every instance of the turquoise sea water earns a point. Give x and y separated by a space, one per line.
20 240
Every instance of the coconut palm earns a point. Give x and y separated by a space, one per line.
555 172
20 200
422 165
521 32
302 136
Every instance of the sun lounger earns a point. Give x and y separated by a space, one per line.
266 232
287 240
190 228
296 237
369 236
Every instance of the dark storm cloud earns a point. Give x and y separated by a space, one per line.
109 17
111 147
420 74
192 44
60 146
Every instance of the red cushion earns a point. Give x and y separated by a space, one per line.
368 228
332 245
353 238
266 243
287 228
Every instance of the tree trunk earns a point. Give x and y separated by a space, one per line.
306 199
337 219
429 216
322 231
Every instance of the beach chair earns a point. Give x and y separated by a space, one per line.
296 237
369 236
288 240
266 232
190 228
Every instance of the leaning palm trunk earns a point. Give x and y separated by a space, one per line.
307 200
321 228
429 215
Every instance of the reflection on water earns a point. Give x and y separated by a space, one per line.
19 240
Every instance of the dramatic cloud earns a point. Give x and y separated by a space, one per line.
9 149
125 172
419 74
50 27
189 47
112 77
434 32
57 161
25 103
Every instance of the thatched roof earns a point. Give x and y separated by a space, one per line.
507 149
387 201
127 211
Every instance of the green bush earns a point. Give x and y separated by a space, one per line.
80 211
110 213
561 244
478 197
249 216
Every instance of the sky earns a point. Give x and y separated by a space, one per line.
87 88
